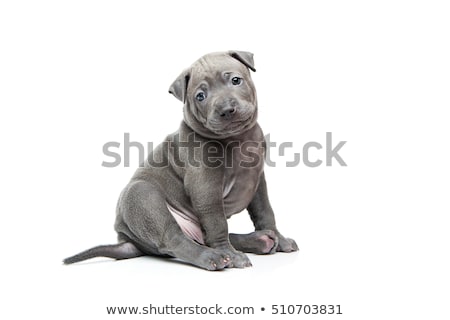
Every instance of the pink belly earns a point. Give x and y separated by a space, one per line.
188 223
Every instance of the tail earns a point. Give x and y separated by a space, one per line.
124 250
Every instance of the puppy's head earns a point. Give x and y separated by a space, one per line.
218 94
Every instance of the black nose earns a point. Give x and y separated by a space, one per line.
227 112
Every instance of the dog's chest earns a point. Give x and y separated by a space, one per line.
241 179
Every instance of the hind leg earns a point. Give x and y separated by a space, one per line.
143 218
259 242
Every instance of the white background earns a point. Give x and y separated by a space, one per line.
373 236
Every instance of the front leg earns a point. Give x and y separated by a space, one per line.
205 188
263 217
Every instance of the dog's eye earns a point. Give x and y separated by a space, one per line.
200 96
236 81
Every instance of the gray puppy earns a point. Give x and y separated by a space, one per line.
178 202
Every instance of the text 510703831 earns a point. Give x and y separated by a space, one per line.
306 309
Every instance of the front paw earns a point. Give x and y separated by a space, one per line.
286 244
238 259
212 260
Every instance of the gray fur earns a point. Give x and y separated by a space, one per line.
207 194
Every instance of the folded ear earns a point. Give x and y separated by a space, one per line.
179 86
244 57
